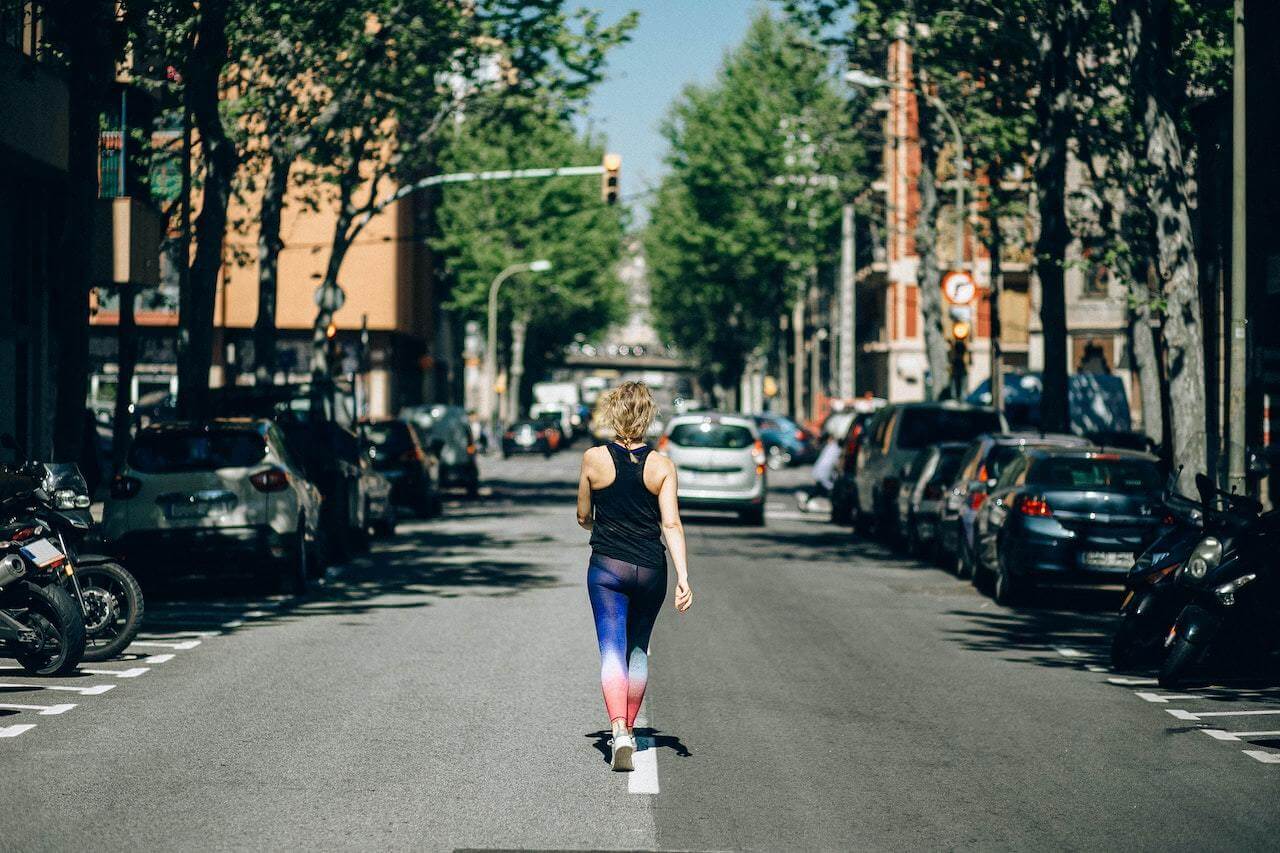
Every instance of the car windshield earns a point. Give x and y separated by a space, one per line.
710 434
388 440
949 459
921 427
1095 472
172 451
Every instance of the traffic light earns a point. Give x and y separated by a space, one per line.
960 330
609 180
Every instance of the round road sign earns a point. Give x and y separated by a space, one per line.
959 288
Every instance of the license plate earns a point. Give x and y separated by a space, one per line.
1107 559
42 552
524 440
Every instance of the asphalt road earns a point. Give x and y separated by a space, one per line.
441 693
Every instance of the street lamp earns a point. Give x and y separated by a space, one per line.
491 342
858 77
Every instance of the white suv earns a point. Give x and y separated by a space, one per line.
227 488
720 463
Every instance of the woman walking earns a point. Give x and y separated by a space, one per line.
627 499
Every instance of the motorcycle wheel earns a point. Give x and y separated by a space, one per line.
1008 590
115 606
1179 662
54 615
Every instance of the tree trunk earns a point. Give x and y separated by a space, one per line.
928 273
269 246
84 32
1150 46
996 249
196 303
1056 47
126 361
1146 363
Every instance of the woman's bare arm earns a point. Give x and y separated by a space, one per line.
673 532
586 517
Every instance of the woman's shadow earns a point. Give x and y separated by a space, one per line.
645 738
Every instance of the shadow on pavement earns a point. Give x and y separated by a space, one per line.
655 738
1038 634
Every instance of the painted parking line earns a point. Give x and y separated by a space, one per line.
158 658
14 731
1132 682
181 647
1222 734
1263 756
1068 652
175 635
93 690
1164 698
1187 715
132 672
42 710
644 778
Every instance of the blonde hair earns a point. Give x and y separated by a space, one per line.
629 409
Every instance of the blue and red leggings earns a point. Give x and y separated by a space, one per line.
625 599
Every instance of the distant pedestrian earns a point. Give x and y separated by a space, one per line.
627 499
824 474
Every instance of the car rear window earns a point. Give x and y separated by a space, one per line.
1137 475
173 451
948 466
389 439
707 434
922 427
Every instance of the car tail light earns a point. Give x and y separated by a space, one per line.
509 434
23 535
270 480
976 499
1034 505
757 452
123 488
1168 519
471 450
413 454
983 475
800 436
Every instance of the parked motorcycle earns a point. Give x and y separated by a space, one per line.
1233 607
40 625
105 592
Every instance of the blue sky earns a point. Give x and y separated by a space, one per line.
676 42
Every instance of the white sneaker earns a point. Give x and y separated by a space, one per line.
624 747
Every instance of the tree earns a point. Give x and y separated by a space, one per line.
749 208
487 226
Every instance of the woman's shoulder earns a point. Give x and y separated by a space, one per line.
597 455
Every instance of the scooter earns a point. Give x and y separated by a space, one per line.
1233 591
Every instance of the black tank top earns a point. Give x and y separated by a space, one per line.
627 521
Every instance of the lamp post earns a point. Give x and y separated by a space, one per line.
491 342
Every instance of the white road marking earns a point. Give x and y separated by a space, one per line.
181 647
1187 715
644 779
42 710
132 672
234 623
1163 698
94 690
1068 652
175 635
1220 734
1132 682
158 659
1093 667
14 731
1263 756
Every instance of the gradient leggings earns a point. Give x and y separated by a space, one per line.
625 599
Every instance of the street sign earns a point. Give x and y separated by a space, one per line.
330 298
959 287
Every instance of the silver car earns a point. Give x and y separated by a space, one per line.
720 463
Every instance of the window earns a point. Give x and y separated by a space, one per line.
1097 472
170 451
713 435
1013 472
923 426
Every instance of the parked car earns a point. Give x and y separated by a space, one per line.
785 441
451 440
412 470
379 509
1066 516
526 437
842 489
224 489
897 433
550 425
980 469
920 501
720 463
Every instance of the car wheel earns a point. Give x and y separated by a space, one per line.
913 544
840 512
295 566
753 516
1009 589
962 565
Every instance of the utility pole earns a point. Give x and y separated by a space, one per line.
848 301
1236 407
